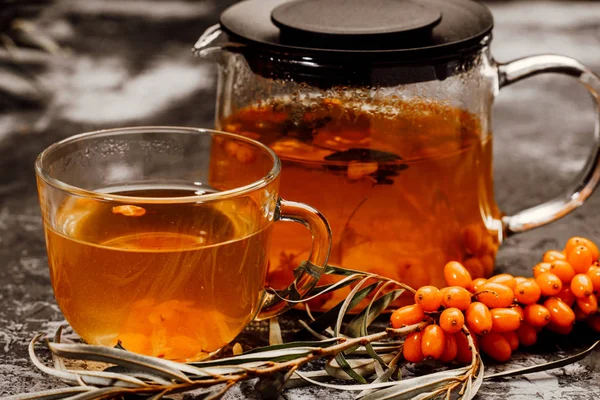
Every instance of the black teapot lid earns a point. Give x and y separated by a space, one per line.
406 30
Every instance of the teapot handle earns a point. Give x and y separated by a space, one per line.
586 183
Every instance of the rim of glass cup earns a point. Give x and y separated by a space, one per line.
226 194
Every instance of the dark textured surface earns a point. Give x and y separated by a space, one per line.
129 64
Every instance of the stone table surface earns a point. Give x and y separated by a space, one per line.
128 62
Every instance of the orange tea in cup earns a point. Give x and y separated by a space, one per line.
159 278
158 237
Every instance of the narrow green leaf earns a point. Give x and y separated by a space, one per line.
348 304
104 393
320 290
110 355
295 381
475 386
274 332
94 378
368 315
341 360
363 366
51 394
546 366
280 355
145 376
407 383
387 375
333 270
328 318
311 344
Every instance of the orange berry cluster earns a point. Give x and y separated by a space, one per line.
503 312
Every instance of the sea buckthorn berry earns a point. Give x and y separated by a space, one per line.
429 297
560 313
463 353
450 349
536 315
581 286
457 275
505 320
567 296
519 279
594 274
549 284
553 255
475 267
513 339
432 342
496 346
563 270
452 320
479 318
528 292
519 310
580 241
504 279
412 347
527 334
593 322
541 268
580 259
495 295
407 315
472 238
476 283
456 296
588 305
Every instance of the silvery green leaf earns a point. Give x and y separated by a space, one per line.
363 366
296 381
330 317
473 387
356 328
274 332
145 376
320 290
279 355
51 394
110 355
308 344
333 270
58 362
349 303
94 378
386 376
407 384
343 363
546 366
104 393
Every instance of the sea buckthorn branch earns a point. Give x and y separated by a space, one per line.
496 315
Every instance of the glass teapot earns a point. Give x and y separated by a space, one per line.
380 111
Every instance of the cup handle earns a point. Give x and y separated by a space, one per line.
514 71
309 272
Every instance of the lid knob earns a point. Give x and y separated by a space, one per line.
341 23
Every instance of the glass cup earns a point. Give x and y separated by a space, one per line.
158 237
